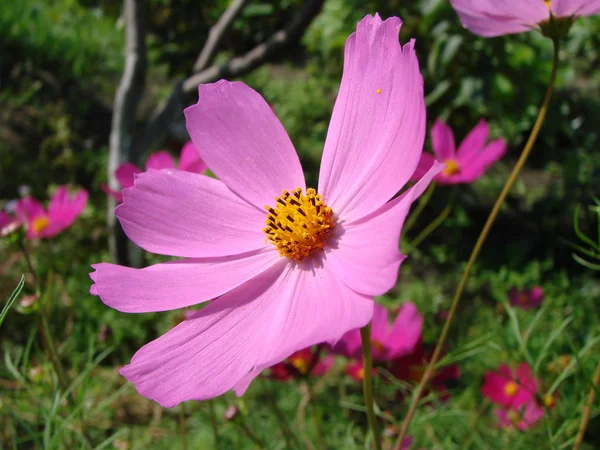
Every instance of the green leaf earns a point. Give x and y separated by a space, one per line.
12 299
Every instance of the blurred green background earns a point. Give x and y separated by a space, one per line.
60 65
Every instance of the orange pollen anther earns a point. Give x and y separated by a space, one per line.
549 401
452 167
547 2
511 388
299 223
40 224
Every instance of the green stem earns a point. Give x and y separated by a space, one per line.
30 267
430 228
478 245
365 337
48 341
213 422
315 412
182 428
287 433
419 209
241 423
587 409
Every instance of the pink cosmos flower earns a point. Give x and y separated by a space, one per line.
60 215
305 362
189 160
522 418
387 342
298 272
526 298
510 389
489 18
471 160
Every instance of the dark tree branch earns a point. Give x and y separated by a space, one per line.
127 99
158 126
216 35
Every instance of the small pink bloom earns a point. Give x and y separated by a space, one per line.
387 341
471 160
526 298
60 215
521 418
189 161
510 389
356 370
489 18
8 224
302 272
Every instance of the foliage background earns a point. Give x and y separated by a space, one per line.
60 65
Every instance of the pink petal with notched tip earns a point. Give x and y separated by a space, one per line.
243 143
179 213
160 160
190 160
442 141
405 333
176 284
489 18
365 253
125 174
473 143
256 325
374 141
481 162
567 8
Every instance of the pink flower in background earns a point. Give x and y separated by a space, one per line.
305 362
471 160
299 273
522 418
489 18
60 215
510 389
526 298
387 342
8 224
189 160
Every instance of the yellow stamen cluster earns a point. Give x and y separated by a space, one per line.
301 365
511 388
40 224
547 2
452 167
299 223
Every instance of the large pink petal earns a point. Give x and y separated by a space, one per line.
190 160
176 284
160 160
490 18
179 213
243 143
365 253
125 174
63 210
425 163
375 138
263 321
442 140
28 208
380 324
349 345
405 332
473 143
567 8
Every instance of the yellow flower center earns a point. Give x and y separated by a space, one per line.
360 374
511 388
547 2
40 224
301 365
452 167
549 401
299 223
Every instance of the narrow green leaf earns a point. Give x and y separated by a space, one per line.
12 299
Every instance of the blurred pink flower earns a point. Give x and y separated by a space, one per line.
305 362
522 418
471 160
60 215
526 298
189 160
489 18
510 389
307 277
387 342
8 224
